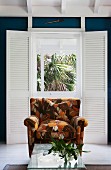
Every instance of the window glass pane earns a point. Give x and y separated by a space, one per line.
38 72
57 64
60 72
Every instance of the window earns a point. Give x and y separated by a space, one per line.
57 66
59 72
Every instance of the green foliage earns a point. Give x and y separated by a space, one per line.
57 70
65 150
38 73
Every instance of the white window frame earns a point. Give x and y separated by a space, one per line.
66 33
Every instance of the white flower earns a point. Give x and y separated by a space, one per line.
61 136
55 128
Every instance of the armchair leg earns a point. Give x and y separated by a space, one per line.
31 140
30 150
78 135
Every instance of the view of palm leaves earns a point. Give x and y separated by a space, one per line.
59 72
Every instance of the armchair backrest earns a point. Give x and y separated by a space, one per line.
53 108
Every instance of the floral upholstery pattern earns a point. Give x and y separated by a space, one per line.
61 109
55 129
56 118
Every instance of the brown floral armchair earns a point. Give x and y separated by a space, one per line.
56 118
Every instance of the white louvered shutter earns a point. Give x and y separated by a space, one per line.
95 86
18 87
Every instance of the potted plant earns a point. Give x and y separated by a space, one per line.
66 151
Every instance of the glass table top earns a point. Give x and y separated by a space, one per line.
40 159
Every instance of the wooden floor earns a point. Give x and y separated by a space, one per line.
18 154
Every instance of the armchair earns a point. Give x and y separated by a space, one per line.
57 118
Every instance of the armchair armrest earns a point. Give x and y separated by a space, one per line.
79 121
32 122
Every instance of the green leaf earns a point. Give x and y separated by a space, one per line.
66 150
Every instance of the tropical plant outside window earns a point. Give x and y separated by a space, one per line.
59 72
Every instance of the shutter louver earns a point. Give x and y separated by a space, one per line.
19 106
18 89
19 64
95 86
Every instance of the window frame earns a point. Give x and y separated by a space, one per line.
56 34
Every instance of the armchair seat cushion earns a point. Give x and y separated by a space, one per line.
55 129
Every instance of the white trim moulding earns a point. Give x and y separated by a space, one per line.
50 11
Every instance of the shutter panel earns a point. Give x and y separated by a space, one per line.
18 87
95 86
